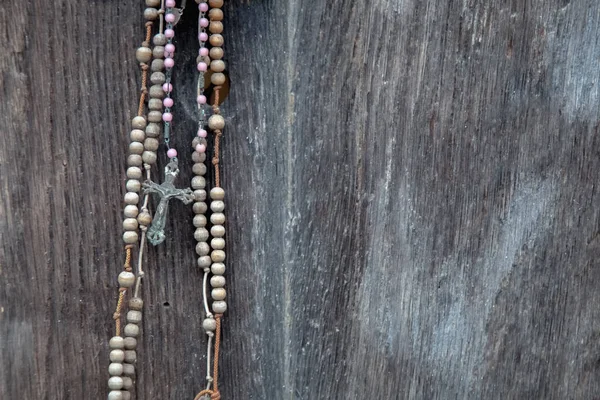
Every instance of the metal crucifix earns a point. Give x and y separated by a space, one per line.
165 191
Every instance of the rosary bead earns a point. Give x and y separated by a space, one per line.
149 157
219 307
217 294
130 211
159 39
132 198
126 395
138 122
128 370
199 207
126 279
217 231
153 130
136 148
133 185
217 218
204 262
201 235
217 206
143 54
115 369
134 172
130 356
217 243
217 66
158 52
155 105
116 342
215 27
216 121
202 249
209 324
150 13
217 281
217 268
134 160
144 218
134 316
215 14
158 64
199 194
158 78
199 169
155 116
130 224
216 40
127 383
130 343
137 135
136 303
156 92
130 237
218 78
198 182
117 356
115 395
199 220
115 383
217 256
215 3
198 157
171 153
216 53
132 330
153 3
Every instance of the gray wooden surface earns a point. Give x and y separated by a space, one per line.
412 195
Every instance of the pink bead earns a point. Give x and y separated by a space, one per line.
203 21
202 66
201 99
171 153
170 33
168 102
169 62
170 3
170 17
203 7
167 87
203 51
167 117
202 133
200 148
203 37
170 48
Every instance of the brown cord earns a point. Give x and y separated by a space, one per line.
216 395
144 67
217 146
117 314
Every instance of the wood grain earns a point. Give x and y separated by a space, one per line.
411 188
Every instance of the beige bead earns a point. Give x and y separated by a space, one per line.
137 135
218 78
130 237
217 268
199 220
159 39
201 235
204 262
153 129
134 172
156 92
215 14
150 13
155 105
217 218
149 157
199 194
132 198
134 160
130 211
216 40
217 66
218 294
216 121
216 53
130 356
217 193
130 224
127 383
219 307
153 3
158 52
138 122
217 206
144 218
136 148
130 343
198 182
215 3
136 303
143 54
199 207
126 279
115 369
158 64
134 316
128 370
202 248
199 169
117 356
133 185
126 395
217 281
209 324
217 255
132 330
198 157
217 231
116 342
217 243
151 144
155 116
215 27
115 395
115 383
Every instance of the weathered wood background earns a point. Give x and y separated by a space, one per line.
412 194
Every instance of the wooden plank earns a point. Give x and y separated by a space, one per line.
411 189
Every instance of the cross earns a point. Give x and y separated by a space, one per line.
165 191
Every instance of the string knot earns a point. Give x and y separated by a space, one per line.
141 274
215 396
123 289
129 246
117 315
149 24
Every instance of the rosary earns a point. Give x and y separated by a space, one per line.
138 224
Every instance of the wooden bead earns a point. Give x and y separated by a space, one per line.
136 303
153 129
126 279
132 330
130 211
199 220
201 234
130 343
219 307
134 160
217 206
153 3
215 27
217 218
209 324
151 13
217 193
128 370
156 92
217 66
136 148
215 3
217 281
115 383
116 342
143 54
217 243
134 172
204 262
149 157
215 14
199 207
126 395
131 198
130 224
158 52
115 369
217 231
199 169
198 182
218 78
216 40
216 53
138 122
115 395
127 383
155 105
117 356
198 157
134 316
130 237
216 121
202 249
218 294
159 39
144 218
130 356
151 144
137 135
155 116
157 78
133 185
217 268
199 194
217 256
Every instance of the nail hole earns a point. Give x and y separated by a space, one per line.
166 304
